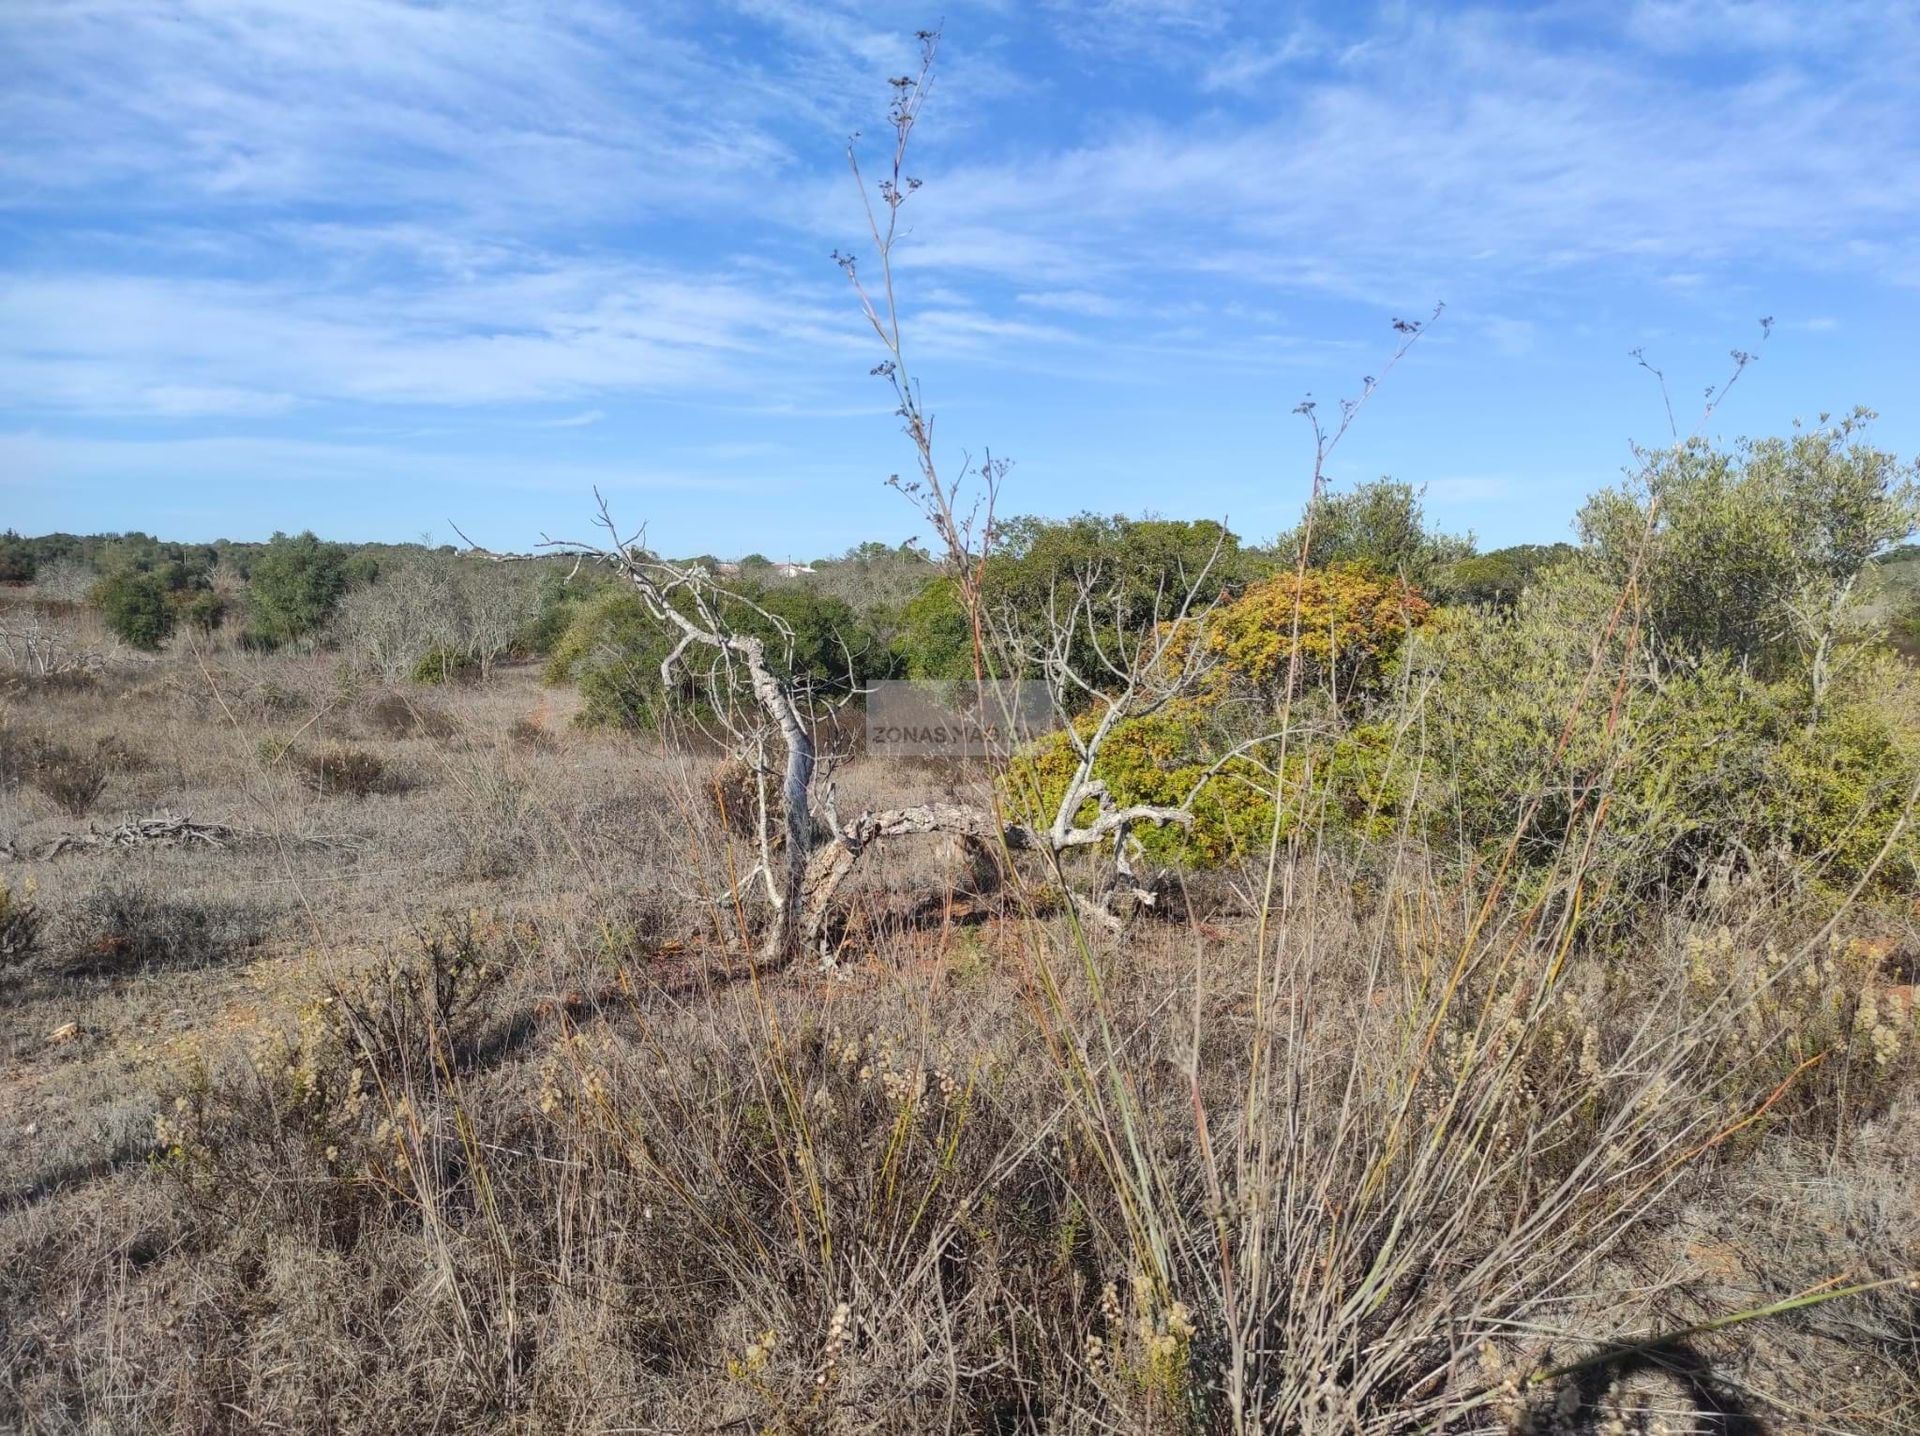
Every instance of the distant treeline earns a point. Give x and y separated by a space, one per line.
874 611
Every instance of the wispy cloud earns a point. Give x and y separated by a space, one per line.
1247 66
225 216
1454 153
123 344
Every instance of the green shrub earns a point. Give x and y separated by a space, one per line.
935 640
1695 766
1336 634
1379 526
135 608
613 650
441 664
1754 553
293 588
1840 790
1355 787
203 610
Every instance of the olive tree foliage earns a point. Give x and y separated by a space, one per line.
468 611
1497 579
293 587
134 607
1037 563
1756 553
1381 525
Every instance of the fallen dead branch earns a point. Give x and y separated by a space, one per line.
162 830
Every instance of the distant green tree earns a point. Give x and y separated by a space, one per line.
135 607
558 600
824 642
17 558
934 639
1138 571
294 586
1381 526
613 649
1497 579
1757 552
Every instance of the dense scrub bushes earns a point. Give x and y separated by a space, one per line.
1335 634
1532 721
1694 687
70 777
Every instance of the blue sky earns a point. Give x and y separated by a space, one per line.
369 266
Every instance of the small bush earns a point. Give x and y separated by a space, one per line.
394 715
122 927
349 772
530 733
72 778
314 1127
734 794
441 664
135 607
403 1014
20 919
204 610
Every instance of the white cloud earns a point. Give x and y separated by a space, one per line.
1247 66
168 346
1683 26
1470 151
578 108
248 208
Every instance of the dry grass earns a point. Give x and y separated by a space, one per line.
436 1109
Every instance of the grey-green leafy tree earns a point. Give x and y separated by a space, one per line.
1757 553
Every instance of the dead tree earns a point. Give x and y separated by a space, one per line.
765 710
768 716
765 714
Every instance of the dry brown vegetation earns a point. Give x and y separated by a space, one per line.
446 1103
453 1083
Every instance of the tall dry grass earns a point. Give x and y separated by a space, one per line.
1374 1146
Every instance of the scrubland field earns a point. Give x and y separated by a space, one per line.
1517 1033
